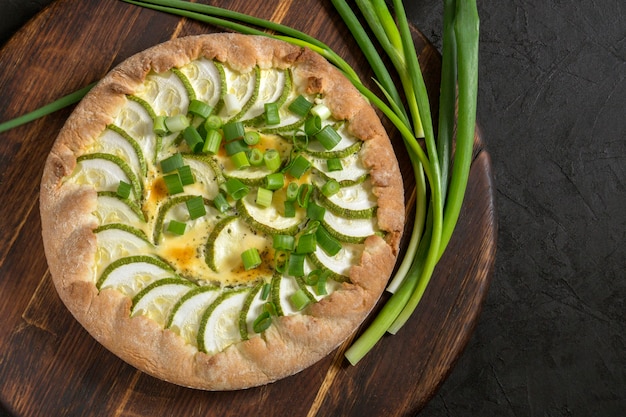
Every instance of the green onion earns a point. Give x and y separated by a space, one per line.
264 197
173 184
321 110
304 194
313 125
290 209
158 126
292 191
329 244
255 156
235 146
196 208
240 159
212 142
236 189
272 117
312 277
295 265
177 228
251 137
272 159
172 163
299 166
270 307
275 181
213 122
123 189
283 242
262 322
221 203
306 243
193 139
328 137
334 164
300 300
265 291
200 108
314 211
250 258
300 106
186 176
233 130
320 286
330 187
176 123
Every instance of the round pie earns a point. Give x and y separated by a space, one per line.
222 211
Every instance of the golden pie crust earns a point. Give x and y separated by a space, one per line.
293 342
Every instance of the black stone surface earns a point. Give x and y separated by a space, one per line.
551 340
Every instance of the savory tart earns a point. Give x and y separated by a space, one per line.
221 211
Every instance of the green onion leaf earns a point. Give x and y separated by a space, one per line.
251 137
213 122
200 108
172 163
290 209
300 300
158 127
272 159
255 156
233 130
262 322
275 181
304 194
292 191
272 117
306 243
173 184
295 266
265 290
328 137
193 139
221 203
240 159
236 189
313 125
196 208
250 258
212 142
123 189
186 176
315 212
334 164
177 228
329 244
283 242
299 166
235 146
300 106
331 187
264 197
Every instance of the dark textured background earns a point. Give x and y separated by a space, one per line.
551 340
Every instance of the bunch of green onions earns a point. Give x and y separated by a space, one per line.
440 175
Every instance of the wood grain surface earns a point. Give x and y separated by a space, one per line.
50 366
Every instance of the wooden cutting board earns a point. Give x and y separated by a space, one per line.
50 366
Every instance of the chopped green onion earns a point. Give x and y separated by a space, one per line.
172 163
221 203
295 266
315 212
329 244
312 277
250 258
299 166
270 307
265 291
213 122
235 146
292 191
240 159
123 189
200 108
176 123
176 227
251 137
275 181
320 286
158 127
173 184
196 208
321 110
212 142
306 243
233 130
235 188
328 137
300 106
272 117
300 300
334 164
304 194
272 159
193 138
290 209
283 242
264 197
313 125
255 156
262 322
186 176
331 187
